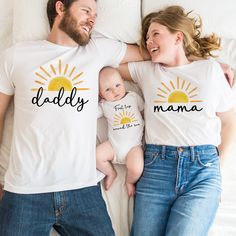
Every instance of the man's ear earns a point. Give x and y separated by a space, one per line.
59 8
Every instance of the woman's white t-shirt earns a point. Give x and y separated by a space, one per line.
181 102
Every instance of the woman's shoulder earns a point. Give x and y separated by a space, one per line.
207 62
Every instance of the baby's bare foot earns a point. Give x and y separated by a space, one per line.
130 189
109 180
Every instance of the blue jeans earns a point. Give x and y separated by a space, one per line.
77 212
179 191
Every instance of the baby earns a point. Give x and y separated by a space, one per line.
125 129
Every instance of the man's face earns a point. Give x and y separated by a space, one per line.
79 20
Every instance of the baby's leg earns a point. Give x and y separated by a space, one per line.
134 163
104 156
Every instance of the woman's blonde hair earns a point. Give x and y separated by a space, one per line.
175 19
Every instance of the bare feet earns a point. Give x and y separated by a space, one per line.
109 180
130 189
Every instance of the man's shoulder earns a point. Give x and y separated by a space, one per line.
101 39
28 43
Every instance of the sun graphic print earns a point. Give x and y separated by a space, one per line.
58 76
124 118
179 91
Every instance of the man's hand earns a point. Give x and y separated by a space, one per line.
229 73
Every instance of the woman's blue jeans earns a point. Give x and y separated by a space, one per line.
179 191
77 212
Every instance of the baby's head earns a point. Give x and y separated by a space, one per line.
111 85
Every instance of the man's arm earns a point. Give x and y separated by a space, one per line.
4 103
133 54
228 134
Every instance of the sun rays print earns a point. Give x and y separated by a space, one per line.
58 76
179 91
124 118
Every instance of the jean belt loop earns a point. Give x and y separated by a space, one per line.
192 153
163 152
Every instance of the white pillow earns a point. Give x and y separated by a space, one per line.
119 19
217 16
116 19
228 52
6 19
30 20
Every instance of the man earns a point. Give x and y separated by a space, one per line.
51 180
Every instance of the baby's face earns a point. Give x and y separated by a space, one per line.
112 88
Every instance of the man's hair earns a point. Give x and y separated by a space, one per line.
51 10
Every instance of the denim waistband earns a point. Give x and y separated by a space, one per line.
190 149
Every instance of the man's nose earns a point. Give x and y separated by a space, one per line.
92 19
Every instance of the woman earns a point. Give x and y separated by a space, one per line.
190 126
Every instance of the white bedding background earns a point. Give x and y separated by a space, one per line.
22 20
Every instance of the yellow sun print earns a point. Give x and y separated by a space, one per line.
58 76
179 91
123 118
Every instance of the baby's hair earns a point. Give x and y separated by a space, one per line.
175 19
108 71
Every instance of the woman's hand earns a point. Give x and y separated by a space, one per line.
229 73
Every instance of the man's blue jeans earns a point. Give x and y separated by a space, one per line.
179 191
77 212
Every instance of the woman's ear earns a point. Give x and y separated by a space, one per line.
179 37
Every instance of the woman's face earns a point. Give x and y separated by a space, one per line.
162 45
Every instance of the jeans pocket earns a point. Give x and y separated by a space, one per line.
150 157
207 160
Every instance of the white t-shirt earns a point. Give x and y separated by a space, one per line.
181 102
125 123
54 136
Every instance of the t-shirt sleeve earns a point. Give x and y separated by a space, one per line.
112 51
224 94
100 111
6 85
138 72
140 102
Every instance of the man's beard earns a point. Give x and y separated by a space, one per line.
69 26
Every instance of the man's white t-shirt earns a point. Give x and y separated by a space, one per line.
181 102
125 123
54 136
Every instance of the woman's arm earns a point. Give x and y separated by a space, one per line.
228 134
229 73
